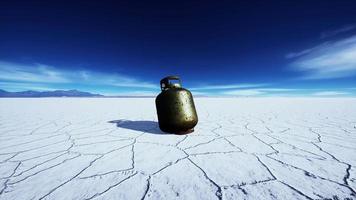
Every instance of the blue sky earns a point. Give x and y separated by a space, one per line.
218 48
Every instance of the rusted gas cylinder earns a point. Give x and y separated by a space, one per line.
175 107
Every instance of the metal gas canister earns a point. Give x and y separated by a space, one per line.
175 107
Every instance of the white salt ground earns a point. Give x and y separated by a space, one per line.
242 148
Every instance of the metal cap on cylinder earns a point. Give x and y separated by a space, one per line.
168 82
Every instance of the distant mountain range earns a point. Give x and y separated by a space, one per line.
55 93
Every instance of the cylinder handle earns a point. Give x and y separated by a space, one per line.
166 82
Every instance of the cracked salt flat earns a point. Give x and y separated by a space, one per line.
249 148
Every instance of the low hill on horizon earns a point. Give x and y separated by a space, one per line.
55 93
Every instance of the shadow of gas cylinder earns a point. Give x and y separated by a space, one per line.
141 126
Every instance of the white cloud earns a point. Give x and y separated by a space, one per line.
247 92
330 93
44 74
261 92
85 75
278 89
230 86
15 87
206 94
297 54
136 84
285 92
329 60
37 73
135 93
347 28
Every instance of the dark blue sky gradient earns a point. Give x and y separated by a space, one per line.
205 42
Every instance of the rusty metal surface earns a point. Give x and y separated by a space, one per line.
175 109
